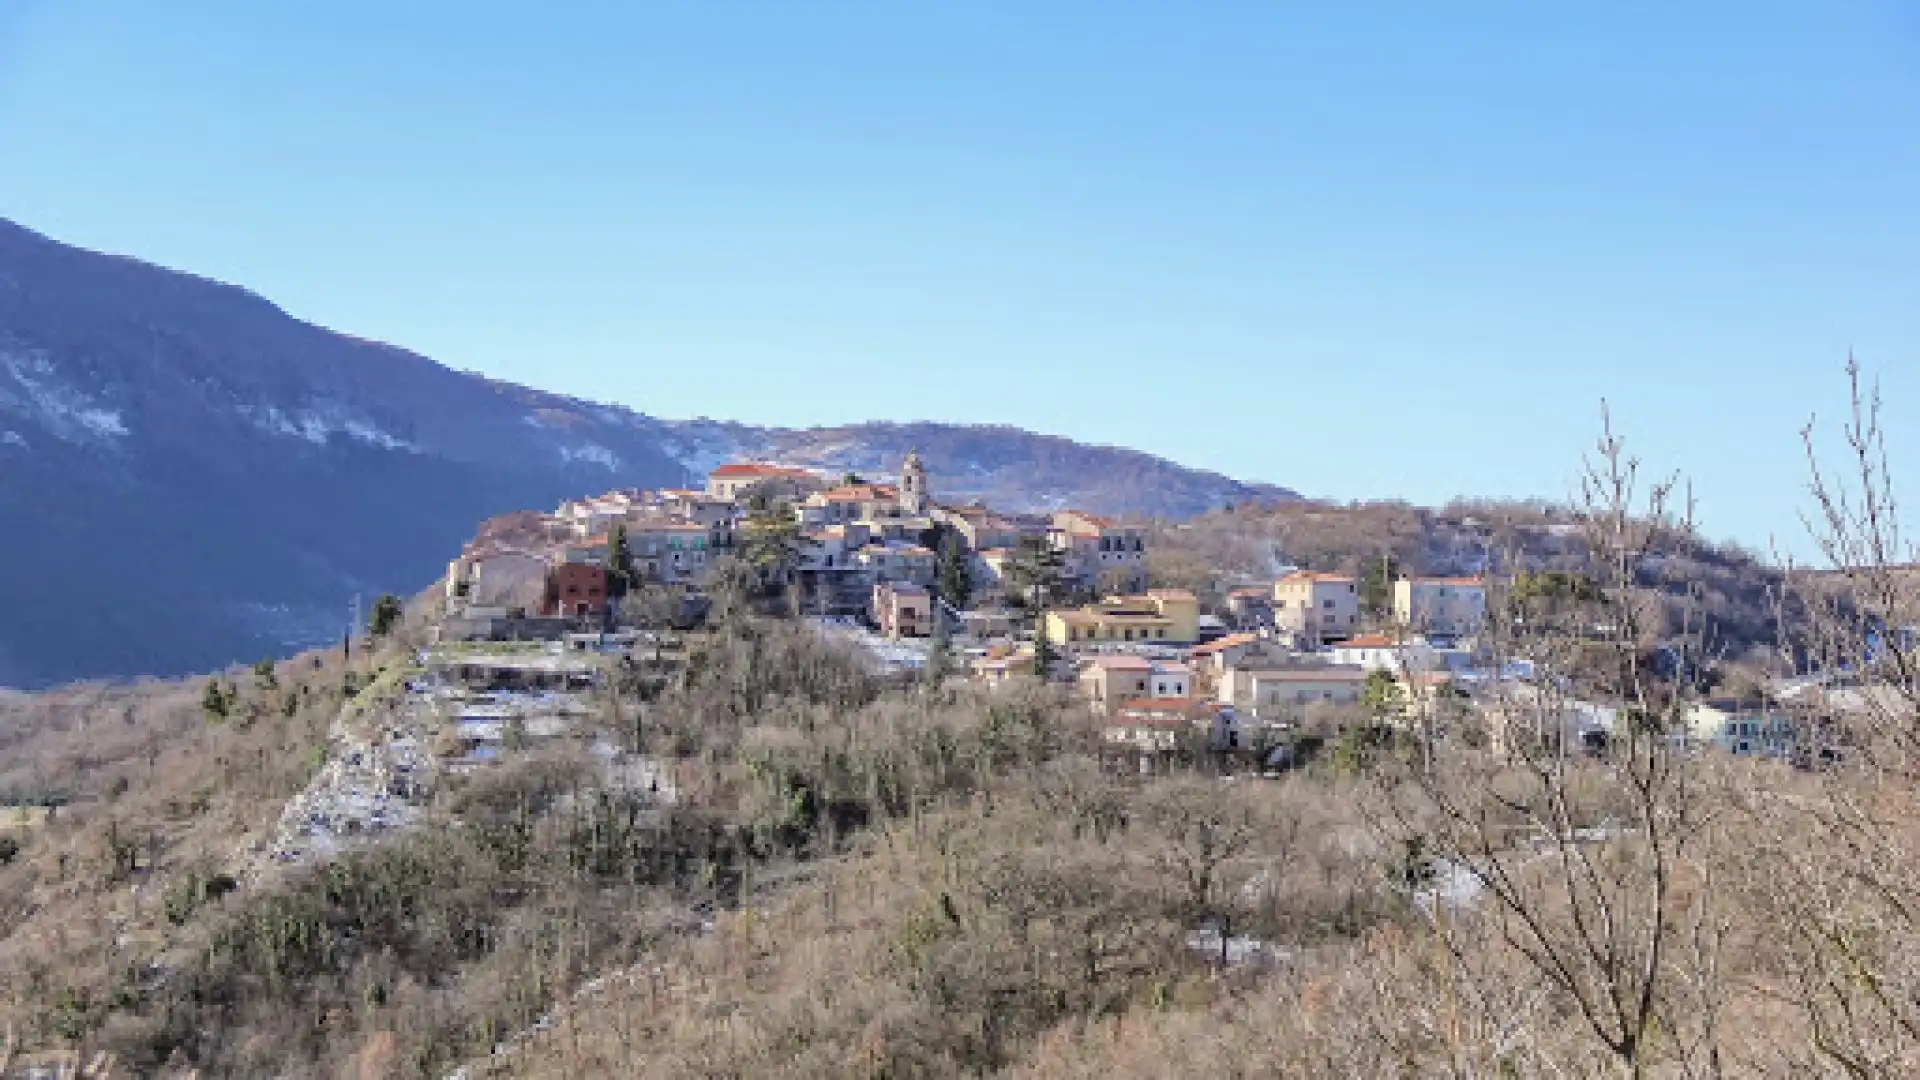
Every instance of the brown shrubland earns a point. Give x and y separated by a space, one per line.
863 878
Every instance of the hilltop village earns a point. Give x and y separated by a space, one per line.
965 591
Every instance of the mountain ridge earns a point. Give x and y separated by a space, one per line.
197 476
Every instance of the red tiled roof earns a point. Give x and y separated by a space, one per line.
862 493
1121 663
1225 643
758 468
1368 641
1304 575
1319 674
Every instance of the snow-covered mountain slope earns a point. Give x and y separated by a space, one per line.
190 476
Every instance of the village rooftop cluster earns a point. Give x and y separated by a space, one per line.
1064 597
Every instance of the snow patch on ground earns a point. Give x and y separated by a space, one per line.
591 454
698 447
320 423
65 410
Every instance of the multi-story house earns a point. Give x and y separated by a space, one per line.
1099 551
898 562
674 549
586 517
733 482
1743 728
576 590
982 529
1316 608
849 503
1251 608
903 609
1106 681
1441 607
1158 616
1268 690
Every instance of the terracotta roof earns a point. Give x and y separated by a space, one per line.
759 468
1121 663
1224 643
1255 590
861 493
1303 575
1321 674
1368 641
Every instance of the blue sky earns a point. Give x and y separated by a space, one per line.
1363 249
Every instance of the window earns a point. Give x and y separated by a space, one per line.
1326 604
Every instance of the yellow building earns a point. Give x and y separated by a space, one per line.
1159 616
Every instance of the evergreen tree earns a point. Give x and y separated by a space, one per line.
1034 572
1042 647
770 540
1376 585
214 701
955 581
1382 696
620 577
385 615
939 654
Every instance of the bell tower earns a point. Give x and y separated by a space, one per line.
914 501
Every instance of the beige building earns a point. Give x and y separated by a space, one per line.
731 482
1270 688
674 550
1317 608
902 610
1099 550
1158 616
1445 607
1107 681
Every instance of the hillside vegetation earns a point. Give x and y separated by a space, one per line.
850 875
1741 596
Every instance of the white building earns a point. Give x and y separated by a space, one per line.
1445 607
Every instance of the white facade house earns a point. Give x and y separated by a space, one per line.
1169 680
1447 607
1316 608
1741 728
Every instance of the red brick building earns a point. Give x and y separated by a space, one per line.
576 591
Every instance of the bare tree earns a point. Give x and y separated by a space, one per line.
1841 857
1578 862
